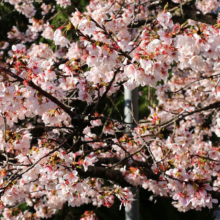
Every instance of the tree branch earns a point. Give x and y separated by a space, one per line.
41 91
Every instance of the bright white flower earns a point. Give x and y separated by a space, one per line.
59 39
164 20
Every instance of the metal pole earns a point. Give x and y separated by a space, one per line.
131 105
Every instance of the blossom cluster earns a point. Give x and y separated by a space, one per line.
52 154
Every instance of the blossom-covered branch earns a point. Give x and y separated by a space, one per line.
62 137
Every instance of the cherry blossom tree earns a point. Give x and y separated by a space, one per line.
62 137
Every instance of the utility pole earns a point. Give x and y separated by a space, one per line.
131 106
